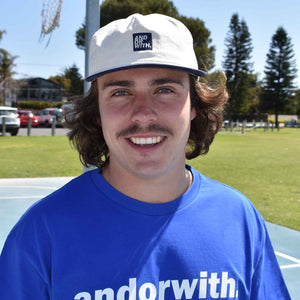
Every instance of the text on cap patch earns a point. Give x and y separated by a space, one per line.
142 41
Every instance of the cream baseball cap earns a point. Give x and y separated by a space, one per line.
153 40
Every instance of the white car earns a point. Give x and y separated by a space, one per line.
12 122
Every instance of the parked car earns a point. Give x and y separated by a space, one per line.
292 123
47 115
12 122
24 115
68 112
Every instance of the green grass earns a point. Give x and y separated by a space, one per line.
264 166
38 156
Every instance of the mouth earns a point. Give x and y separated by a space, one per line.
146 141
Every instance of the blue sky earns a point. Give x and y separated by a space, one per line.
22 21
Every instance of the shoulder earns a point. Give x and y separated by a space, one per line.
69 199
225 200
215 188
73 191
228 210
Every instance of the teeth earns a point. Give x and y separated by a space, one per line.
146 141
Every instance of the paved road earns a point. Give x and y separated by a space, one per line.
42 131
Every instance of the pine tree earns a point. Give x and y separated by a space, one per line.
238 67
76 81
280 72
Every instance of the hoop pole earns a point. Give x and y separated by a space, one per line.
92 24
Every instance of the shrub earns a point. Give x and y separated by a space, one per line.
279 120
38 105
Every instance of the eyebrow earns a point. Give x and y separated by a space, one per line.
161 81
128 83
112 83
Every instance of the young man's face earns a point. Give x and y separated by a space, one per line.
145 117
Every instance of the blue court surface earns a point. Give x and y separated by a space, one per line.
16 195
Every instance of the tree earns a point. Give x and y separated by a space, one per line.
6 67
116 9
1 34
80 37
76 80
280 72
6 62
201 37
71 81
64 82
293 105
238 67
297 103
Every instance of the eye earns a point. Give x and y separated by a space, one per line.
165 90
120 93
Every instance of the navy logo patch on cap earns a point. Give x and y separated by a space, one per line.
142 41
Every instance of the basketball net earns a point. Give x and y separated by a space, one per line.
50 17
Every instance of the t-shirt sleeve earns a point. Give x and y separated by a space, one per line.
268 282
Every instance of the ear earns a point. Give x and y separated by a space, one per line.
99 122
193 113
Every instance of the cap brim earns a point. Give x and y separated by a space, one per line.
188 70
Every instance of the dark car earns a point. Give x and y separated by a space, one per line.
292 123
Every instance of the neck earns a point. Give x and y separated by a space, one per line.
152 190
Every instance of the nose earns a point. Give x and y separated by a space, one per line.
143 110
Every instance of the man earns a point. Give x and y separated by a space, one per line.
143 225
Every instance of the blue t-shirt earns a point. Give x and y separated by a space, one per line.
87 241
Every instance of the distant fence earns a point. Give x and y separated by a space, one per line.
230 126
243 126
6 129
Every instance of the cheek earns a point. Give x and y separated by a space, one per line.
188 113
104 120
113 110
106 114
111 122
107 123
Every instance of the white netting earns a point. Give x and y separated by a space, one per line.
50 17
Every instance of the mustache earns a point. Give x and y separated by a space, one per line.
153 128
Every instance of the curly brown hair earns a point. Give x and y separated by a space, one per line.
87 136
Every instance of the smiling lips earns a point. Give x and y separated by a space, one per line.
147 141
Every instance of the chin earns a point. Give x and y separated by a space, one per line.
149 170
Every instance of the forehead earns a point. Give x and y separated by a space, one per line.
144 75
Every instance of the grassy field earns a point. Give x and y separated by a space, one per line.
37 156
265 166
